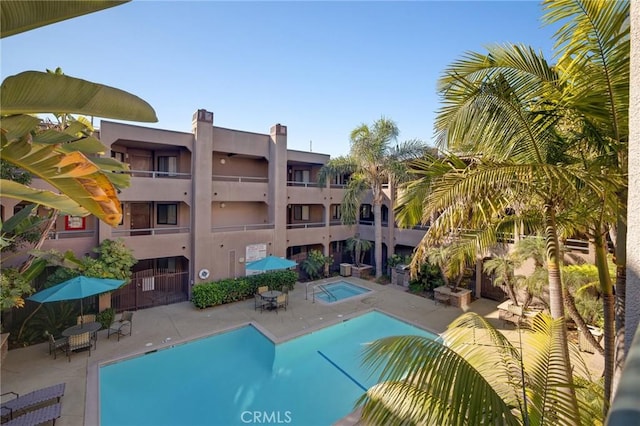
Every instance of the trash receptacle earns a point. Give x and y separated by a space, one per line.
345 269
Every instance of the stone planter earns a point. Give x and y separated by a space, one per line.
460 299
362 271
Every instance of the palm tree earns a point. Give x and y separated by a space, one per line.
372 162
497 109
596 61
476 376
503 269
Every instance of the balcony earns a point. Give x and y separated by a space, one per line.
240 188
149 231
155 185
153 243
305 192
305 225
242 228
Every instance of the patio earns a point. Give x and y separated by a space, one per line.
31 368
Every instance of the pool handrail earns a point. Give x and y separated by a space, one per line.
325 291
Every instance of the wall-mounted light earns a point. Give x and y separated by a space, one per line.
223 205
223 161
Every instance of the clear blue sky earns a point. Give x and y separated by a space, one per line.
321 68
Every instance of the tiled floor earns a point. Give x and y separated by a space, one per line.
30 368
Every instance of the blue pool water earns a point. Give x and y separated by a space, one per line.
240 377
339 291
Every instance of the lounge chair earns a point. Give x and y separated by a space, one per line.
36 417
56 345
79 341
123 327
24 402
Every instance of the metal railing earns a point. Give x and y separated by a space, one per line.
158 174
150 231
302 184
242 179
305 225
241 228
57 235
314 287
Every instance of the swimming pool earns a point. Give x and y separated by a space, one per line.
240 377
339 291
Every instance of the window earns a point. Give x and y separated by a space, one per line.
167 263
365 212
167 214
301 176
168 165
301 212
336 211
118 156
74 223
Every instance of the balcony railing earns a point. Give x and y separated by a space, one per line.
58 235
302 184
338 185
223 178
150 231
305 225
156 174
335 222
242 228
371 222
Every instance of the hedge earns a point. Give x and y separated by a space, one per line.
234 289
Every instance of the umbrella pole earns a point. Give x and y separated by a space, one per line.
81 315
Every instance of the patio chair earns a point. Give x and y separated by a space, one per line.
83 319
55 345
123 327
285 291
79 341
31 399
281 302
259 302
263 289
36 417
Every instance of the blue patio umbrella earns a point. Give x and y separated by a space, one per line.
76 288
270 263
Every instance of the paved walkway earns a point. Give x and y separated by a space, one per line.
30 368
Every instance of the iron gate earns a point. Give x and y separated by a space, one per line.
151 287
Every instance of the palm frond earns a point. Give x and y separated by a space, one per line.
425 382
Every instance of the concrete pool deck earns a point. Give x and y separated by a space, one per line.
27 369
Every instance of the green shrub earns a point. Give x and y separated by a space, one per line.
106 317
231 290
428 278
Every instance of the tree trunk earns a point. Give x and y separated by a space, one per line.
570 305
608 299
620 294
45 234
555 298
377 225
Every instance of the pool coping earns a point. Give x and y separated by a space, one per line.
92 394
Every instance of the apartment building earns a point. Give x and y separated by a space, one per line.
203 204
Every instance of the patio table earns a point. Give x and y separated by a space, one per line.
271 296
91 327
